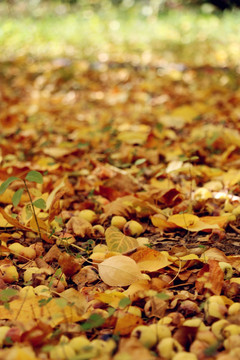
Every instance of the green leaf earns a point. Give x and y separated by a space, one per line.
162 296
34 176
117 241
94 321
6 294
140 161
40 204
44 302
17 197
6 184
124 302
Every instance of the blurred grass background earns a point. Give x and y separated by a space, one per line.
143 31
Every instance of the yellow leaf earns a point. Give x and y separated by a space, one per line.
117 241
216 220
53 193
159 221
111 299
57 152
4 222
19 353
119 270
126 323
51 312
137 287
150 260
191 222
186 113
133 137
42 225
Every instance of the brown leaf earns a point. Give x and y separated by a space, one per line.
210 279
69 264
79 226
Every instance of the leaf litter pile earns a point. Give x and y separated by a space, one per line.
119 218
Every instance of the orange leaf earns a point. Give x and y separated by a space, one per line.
161 223
126 323
150 260
13 221
191 222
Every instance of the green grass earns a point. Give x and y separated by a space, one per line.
178 36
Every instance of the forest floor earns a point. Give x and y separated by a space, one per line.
120 185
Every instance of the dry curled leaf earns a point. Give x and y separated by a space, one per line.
79 226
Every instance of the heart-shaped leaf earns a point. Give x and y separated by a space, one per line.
117 241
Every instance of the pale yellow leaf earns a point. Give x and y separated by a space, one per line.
52 195
25 310
117 241
119 270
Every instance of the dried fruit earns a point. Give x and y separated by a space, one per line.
132 228
146 335
118 221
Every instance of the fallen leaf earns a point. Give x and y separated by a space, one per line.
117 241
119 270
210 279
126 322
79 226
191 222
150 260
38 307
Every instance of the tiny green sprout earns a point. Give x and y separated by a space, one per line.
6 295
124 302
162 296
32 176
94 321
140 161
43 302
